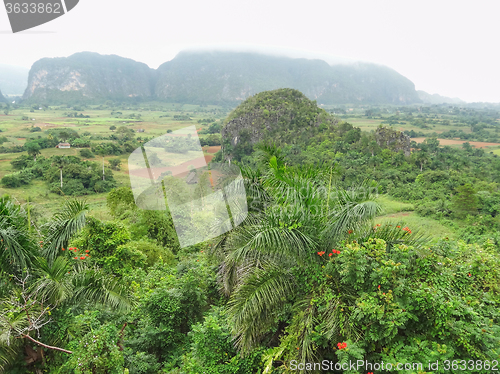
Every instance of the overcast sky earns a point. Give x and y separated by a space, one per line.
445 47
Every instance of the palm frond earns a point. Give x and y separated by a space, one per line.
54 279
95 286
64 225
17 248
253 306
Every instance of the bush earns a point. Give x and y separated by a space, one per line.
86 153
115 163
212 349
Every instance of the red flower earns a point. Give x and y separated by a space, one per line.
63 249
342 345
383 293
379 286
470 275
330 254
76 258
70 249
321 253
398 227
87 251
82 258
338 252
350 231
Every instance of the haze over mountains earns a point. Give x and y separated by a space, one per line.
13 79
209 77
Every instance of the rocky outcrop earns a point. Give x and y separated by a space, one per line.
283 117
229 77
213 78
89 76
393 139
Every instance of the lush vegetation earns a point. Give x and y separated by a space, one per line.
323 268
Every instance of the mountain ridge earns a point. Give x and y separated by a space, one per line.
215 77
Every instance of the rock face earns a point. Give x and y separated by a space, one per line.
88 76
219 77
283 116
393 139
213 78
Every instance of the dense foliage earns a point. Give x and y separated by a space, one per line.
307 277
64 175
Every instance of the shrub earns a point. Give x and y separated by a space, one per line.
86 153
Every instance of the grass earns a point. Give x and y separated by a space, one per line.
390 205
396 211
427 226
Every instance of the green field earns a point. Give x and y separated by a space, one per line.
155 120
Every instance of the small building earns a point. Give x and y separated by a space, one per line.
63 145
140 130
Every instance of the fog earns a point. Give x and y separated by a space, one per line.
444 47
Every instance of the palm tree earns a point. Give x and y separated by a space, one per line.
60 162
265 260
46 282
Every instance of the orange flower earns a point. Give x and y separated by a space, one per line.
321 253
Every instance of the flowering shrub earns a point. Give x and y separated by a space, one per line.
400 303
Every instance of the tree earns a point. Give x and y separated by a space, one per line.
33 149
86 153
125 133
465 201
262 260
112 128
60 162
421 158
64 135
115 163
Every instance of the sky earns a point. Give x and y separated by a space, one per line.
444 47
